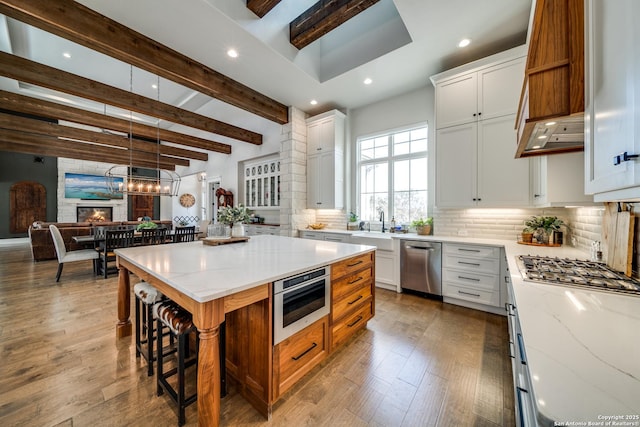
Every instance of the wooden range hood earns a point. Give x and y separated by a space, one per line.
551 111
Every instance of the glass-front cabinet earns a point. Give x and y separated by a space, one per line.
262 183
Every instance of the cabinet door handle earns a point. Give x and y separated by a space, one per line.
359 318
356 280
624 157
469 278
468 293
512 350
355 263
469 263
468 250
523 358
357 299
314 345
332 239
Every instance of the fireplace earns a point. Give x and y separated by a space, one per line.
94 213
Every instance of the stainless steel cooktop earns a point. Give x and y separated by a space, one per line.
569 272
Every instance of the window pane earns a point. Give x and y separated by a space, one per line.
367 154
401 175
366 178
381 178
419 174
418 145
401 208
401 137
399 149
366 144
420 133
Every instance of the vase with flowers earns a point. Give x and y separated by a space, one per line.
235 216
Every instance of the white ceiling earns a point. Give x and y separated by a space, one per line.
396 43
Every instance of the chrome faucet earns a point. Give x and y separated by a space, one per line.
382 219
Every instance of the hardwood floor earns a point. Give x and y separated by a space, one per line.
419 362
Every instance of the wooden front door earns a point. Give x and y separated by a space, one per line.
27 203
141 206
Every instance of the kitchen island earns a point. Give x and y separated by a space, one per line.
211 281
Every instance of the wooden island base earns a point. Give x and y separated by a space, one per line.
263 372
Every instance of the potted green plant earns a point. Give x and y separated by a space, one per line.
542 227
423 225
236 216
353 221
146 224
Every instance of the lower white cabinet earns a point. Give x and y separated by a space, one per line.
326 236
471 276
256 230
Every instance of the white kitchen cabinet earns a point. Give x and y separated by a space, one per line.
326 236
612 102
489 92
558 180
471 276
257 230
475 166
325 160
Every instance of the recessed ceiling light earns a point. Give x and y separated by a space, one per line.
464 43
550 123
66 55
155 86
368 81
232 53
542 137
314 102
535 147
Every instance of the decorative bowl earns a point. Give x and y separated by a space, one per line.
317 226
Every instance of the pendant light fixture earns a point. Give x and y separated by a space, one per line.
163 182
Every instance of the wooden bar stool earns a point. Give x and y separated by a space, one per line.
180 325
146 297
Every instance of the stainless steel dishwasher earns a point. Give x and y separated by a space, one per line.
421 267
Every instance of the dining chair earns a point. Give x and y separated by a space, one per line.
184 234
156 236
70 256
113 239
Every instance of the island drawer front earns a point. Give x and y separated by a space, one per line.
472 251
471 294
352 302
351 265
299 353
345 328
477 265
344 287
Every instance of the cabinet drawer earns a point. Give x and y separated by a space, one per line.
346 327
298 354
348 284
472 251
477 265
470 294
351 265
470 279
351 301
314 235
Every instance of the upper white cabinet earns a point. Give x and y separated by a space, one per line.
475 137
325 160
475 166
558 180
479 95
612 111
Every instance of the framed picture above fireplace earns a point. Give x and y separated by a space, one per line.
90 187
94 213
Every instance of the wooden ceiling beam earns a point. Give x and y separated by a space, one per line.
24 104
323 17
24 70
261 7
145 150
73 21
49 146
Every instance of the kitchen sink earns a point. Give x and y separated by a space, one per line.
381 241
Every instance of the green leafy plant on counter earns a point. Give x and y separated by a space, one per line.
547 223
353 217
421 222
230 215
146 224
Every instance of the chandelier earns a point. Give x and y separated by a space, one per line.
121 178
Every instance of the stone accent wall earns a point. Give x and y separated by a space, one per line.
293 175
67 207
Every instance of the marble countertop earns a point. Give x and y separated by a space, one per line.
582 346
206 272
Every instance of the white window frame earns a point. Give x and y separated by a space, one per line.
389 160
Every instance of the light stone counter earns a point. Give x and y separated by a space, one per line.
205 272
582 346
